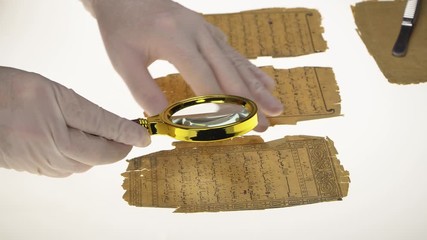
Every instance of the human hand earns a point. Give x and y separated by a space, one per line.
48 129
136 33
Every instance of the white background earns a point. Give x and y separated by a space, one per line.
380 139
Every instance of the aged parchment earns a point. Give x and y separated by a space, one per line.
239 174
306 92
276 32
378 24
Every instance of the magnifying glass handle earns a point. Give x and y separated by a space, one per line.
141 121
152 124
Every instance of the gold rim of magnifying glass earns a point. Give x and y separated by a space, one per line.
162 123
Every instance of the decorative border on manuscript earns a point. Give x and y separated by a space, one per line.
240 174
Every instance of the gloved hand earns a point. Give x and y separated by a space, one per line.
136 33
48 129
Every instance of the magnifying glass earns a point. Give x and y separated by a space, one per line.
204 118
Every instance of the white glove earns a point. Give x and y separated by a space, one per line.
48 129
137 33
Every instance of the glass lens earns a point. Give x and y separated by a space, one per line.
210 115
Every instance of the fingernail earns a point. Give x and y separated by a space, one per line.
276 107
144 139
263 123
140 136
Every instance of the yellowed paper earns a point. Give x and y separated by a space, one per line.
378 24
276 32
306 92
239 174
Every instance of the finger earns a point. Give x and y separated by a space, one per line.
142 86
91 150
267 102
42 167
195 70
64 171
229 78
263 123
255 82
225 72
146 92
245 81
268 82
52 173
55 164
62 164
82 114
221 40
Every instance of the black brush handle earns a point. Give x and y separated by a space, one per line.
401 45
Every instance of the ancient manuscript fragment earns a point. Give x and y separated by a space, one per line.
378 24
276 32
306 92
239 174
